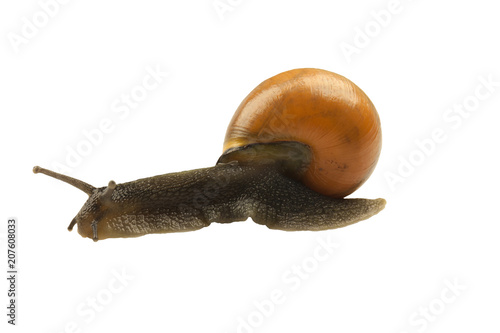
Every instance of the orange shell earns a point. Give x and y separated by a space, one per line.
321 109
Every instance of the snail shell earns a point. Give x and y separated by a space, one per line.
321 109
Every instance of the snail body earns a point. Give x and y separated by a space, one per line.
297 145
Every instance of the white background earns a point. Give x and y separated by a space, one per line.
440 226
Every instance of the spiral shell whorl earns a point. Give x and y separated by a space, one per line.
321 109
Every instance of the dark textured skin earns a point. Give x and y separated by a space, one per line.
227 192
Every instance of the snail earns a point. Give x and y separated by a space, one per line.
297 145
